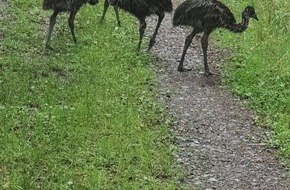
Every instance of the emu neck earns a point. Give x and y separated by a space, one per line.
239 27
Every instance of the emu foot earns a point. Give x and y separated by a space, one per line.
100 23
182 69
208 73
148 49
151 44
48 47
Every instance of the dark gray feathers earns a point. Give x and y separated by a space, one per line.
203 14
65 5
143 8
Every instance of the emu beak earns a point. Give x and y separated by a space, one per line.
255 17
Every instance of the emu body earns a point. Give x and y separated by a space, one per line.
142 9
205 16
58 6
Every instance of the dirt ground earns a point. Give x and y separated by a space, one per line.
219 146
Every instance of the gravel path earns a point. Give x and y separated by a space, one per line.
220 148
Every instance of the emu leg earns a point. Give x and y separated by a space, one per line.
51 24
204 44
106 5
187 43
152 40
71 24
117 16
141 32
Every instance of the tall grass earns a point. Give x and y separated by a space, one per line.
81 116
259 69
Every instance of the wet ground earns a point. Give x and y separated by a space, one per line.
219 146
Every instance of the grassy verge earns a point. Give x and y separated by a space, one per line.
259 70
81 116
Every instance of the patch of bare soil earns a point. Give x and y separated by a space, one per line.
219 146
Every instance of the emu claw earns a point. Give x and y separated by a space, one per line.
208 73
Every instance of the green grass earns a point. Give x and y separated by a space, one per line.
259 68
81 116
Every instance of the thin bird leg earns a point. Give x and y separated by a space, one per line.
187 43
106 5
51 24
71 24
152 40
141 32
204 44
117 16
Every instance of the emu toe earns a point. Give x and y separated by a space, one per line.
182 69
208 73
48 47
100 22
119 24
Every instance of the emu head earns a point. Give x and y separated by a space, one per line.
93 2
249 12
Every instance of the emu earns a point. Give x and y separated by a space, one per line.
106 6
143 8
205 16
58 6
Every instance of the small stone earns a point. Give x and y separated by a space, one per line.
237 180
212 180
